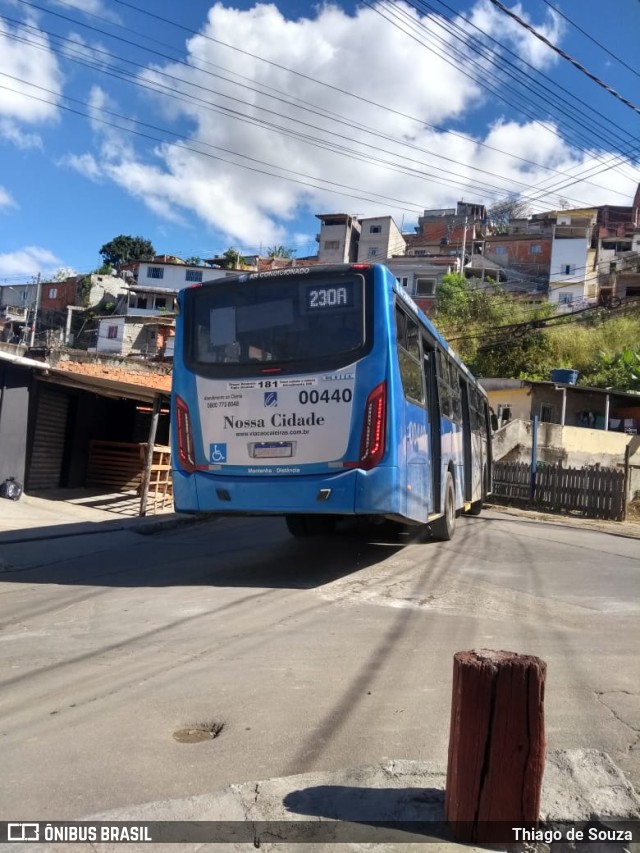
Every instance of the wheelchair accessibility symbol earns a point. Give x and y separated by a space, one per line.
217 453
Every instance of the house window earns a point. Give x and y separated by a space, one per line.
53 292
547 413
425 286
141 302
499 250
404 281
565 298
375 229
155 272
332 244
535 249
161 302
419 251
112 332
373 251
193 275
505 413
568 269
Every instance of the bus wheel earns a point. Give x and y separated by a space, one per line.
309 525
475 508
444 527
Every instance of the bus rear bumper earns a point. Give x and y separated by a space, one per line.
354 492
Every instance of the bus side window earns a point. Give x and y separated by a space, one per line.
413 336
456 394
409 356
401 328
443 385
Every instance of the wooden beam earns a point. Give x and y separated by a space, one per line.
148 459
496 743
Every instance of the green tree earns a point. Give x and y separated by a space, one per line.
124 248
619 370
280 252
193 261
486 326
233 259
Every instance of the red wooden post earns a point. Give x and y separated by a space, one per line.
496 743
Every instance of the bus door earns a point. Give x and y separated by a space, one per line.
467 439
432 404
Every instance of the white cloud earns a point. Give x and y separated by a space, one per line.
30 67
10 131
30 260
6 199
361 53
84 164
91 7
500 26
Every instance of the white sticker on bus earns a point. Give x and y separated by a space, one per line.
295 417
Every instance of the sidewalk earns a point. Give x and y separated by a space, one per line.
629 529
74 512
382 806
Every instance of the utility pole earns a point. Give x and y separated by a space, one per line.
35 313
464 245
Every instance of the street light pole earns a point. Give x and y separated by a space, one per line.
35 313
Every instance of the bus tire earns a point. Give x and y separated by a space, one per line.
475 508
443 528
309 525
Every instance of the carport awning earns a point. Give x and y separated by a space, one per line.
104 386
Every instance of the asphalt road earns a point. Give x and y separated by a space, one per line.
317 654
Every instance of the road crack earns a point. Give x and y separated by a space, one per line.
600 696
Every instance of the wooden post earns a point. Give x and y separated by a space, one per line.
148 459
496 743
625 483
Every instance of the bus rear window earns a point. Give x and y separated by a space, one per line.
233 328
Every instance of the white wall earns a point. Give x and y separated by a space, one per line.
378 246
105 343
331 234
174 276
572 253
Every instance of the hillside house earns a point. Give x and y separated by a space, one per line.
131 335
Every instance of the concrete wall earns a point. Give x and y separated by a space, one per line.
15 383
518 398
571 447
376 247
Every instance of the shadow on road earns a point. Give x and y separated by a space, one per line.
226 552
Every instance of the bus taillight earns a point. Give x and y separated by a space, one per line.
185 439
373 429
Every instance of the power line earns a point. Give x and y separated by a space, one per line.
485 189
591 38
565 55
277 65
513 70
169 91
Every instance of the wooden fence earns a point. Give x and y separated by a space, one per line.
593 492
120 465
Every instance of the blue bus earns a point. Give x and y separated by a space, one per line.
318 392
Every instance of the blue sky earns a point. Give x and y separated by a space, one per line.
202 126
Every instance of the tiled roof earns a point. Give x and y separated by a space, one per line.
144 379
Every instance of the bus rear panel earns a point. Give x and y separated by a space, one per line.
320 391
